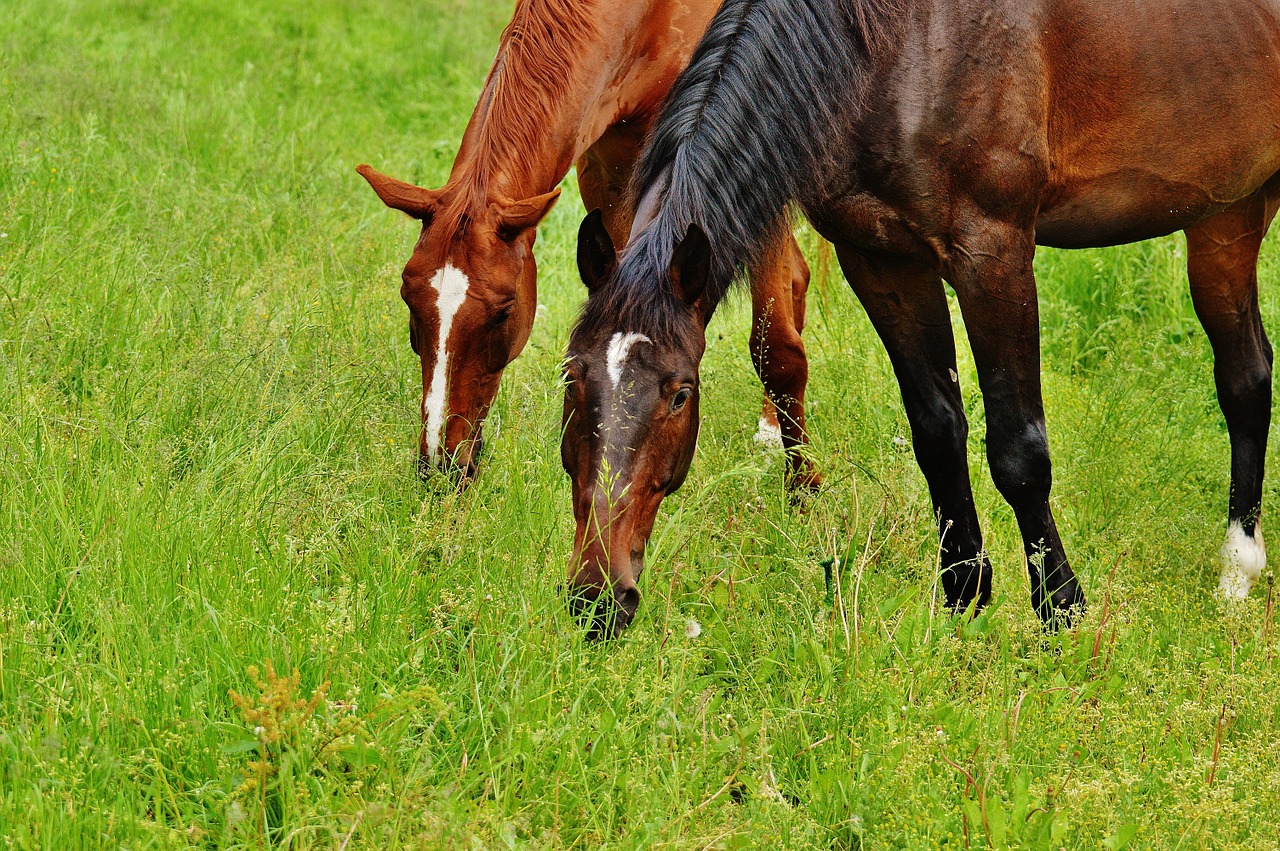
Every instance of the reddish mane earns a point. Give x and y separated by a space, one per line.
537 60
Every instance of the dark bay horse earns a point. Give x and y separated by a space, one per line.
931 140
574 81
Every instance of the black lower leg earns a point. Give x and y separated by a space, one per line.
939 434
1020 466
1244 394
908 306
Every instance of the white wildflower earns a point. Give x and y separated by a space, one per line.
692 629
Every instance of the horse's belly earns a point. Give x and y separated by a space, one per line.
1136 202
1126 206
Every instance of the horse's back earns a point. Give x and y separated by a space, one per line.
1158 113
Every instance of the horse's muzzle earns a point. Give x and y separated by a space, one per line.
461 466
604 612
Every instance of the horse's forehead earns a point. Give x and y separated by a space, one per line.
429 278
451 286
606 353
619 351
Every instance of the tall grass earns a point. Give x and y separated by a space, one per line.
207 439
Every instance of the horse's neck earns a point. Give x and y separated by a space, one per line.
620 73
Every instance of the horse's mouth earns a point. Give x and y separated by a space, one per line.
461 474
604 615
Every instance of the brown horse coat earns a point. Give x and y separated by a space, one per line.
936 140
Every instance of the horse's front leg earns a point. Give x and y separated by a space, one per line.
604 172
993 278
778 286
908 307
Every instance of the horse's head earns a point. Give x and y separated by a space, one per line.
630 412
471 291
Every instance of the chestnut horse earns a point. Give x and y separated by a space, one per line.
574 80
932 140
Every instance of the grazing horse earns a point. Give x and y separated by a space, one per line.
574 80
931 140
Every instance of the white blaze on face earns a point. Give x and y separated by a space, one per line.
451 287
619 349
1244 557
613 415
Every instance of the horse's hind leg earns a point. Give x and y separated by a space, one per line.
778 286
1222 262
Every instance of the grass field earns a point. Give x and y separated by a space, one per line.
208 417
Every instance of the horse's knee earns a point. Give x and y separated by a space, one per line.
1254 380
1020 465
939 434
786 377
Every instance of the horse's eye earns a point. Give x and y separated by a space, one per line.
679 400
413 335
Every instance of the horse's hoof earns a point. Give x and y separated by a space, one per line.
965 585
804 481
1063 609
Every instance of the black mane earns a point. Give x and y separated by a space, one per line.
741 132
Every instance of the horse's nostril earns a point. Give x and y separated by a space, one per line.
582 600
425 468
605 615
628 601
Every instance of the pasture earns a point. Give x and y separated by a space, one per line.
208 426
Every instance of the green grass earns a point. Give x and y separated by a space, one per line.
207 436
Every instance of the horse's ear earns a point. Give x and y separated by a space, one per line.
691 265
516 217
398 195
596 254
